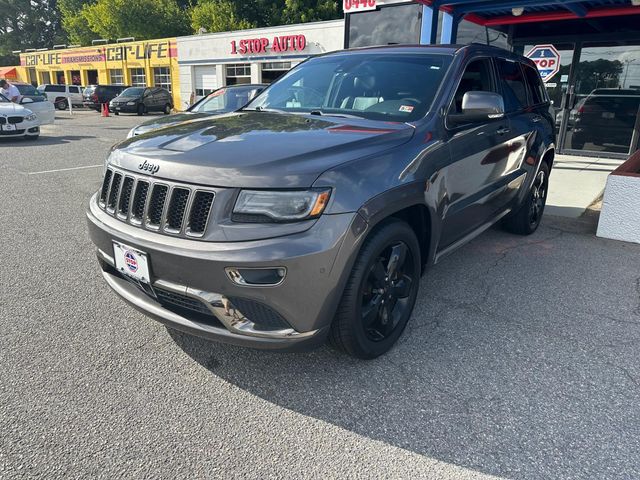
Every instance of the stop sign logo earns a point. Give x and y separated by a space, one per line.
547 59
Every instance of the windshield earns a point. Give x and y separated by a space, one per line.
132 92
226 100
25 89
376 86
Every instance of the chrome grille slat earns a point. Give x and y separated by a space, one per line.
167 207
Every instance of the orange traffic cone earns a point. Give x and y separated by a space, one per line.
105 110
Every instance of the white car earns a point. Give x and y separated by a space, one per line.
62 95
44 110
18 121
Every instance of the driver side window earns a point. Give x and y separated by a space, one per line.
476 77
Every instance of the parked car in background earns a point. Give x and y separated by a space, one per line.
607 115
141 100
222 100
29 91
18 121
312 212
96 95
62 95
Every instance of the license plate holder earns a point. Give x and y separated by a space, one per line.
9 127
131 262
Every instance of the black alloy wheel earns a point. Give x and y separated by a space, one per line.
538 198
527 218
385 294
380 292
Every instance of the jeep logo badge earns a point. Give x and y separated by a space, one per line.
149 167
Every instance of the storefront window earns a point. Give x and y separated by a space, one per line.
606 104
273 70
238 73
162 77
389 25
138 77
116 77
46 78
469 32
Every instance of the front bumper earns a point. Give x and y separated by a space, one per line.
23 129
123 108
317 263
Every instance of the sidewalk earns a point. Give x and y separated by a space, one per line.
576 183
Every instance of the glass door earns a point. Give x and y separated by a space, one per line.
604 103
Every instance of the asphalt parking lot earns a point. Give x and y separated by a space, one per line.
520 360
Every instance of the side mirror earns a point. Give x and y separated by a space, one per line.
26 100
478 107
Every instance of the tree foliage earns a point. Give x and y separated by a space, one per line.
142 19
28 24
217 16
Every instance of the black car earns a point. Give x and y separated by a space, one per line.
223 100
311 213
607 115
94 96
141 100
29 91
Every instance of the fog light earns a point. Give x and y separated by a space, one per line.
262 277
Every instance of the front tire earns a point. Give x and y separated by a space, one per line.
141 110
380 294
526 220
167 109
62 104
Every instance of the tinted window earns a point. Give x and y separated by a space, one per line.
513 86
535 85
378 86
54 88
389 25
74 90
476 77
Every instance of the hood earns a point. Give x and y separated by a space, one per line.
257 149
7 109
167 120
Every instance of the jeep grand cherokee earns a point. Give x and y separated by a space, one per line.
313 211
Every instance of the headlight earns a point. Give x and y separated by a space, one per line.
31 118
257 206
131 103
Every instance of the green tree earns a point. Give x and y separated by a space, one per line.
27 24
301 11
74 22
142 19
217 16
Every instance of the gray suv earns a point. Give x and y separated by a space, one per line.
312 212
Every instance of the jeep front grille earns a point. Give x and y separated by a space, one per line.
167 207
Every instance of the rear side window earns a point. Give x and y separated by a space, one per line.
476 77
513 85
54 88
74 90
534 82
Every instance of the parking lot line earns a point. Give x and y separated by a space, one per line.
65 169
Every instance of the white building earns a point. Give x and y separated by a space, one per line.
258 55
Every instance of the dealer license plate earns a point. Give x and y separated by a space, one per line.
131 262
8 127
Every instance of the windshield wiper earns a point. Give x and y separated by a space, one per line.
343 115
261 109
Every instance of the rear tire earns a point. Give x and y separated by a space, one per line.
62 104
364 326
527 218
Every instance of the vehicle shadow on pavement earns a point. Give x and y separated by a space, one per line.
520 361
43 141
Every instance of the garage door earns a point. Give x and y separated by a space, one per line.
205 80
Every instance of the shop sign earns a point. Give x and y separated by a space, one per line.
350 6
147 50
547 59
279 44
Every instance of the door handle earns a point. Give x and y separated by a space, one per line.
536 119
502 131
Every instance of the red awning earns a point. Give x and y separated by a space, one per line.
8 72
